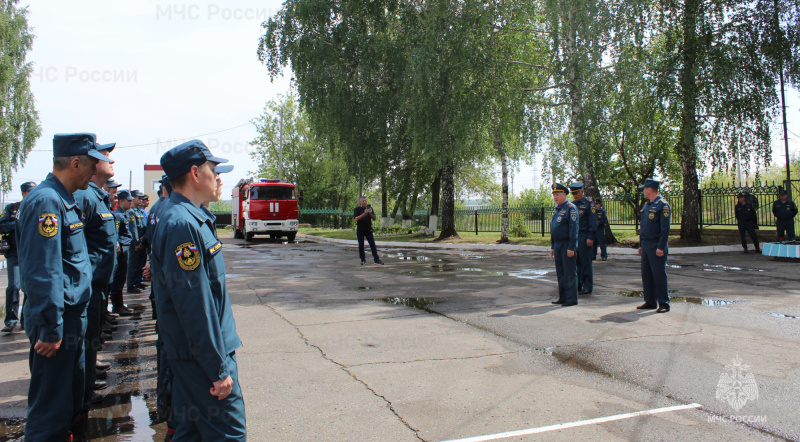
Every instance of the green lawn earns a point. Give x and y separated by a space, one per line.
626 237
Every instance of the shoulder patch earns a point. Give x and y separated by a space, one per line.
594 209
213 250
188 256
48 225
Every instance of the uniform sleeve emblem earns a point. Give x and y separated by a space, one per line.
188 256
48 225
666 211
215 248
133 219
594 210
652 215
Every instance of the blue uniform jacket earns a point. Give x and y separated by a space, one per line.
587 218
602 220
123 234
784 211
54 265
564 225
152 220
100 231
655 220
8 225
745 214
136 225
194 309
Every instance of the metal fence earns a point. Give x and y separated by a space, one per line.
717 205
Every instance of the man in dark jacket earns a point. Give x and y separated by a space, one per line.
746 219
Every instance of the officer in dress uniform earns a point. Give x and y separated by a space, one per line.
57 276
121 214
784 210
653 237
746 219
602 221
101 243
194 310
137 253
563 246
8 225
586 234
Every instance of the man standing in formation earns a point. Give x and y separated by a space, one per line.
137 252
194 311
746 219
653 237
57 277
563 243
124 200
602 222
784 210
8 224
587 231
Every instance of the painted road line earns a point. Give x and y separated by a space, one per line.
598 420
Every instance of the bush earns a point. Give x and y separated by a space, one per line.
517 227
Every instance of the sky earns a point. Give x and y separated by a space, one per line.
149 75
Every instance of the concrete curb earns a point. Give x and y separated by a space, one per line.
515 248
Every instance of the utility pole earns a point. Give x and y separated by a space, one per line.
280 149
738 168
130 181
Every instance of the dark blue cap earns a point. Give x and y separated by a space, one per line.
145 197
180 159
651 183
113 184
109 147
575 186
70 145
124 194
223 168
558 187
741 195
136 194
783 192
27 187
164 178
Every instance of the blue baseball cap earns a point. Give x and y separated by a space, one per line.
113 184
180 159
223 168
27 187
109 147
124 194
70 145
651 183
136 194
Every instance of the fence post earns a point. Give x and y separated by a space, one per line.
476 221
700 192
542 208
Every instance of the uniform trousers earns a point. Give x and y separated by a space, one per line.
12 291
751 229
566 272
601 243
198 415
91 341
136 261
55 394
585 276
785 230
654 274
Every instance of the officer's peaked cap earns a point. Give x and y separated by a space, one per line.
558 187
180 159
651 183
70 145
575 186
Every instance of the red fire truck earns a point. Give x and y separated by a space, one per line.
262 206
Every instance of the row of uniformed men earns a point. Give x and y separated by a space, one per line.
67 248
574 228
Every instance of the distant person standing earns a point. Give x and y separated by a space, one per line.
746 220
364 215
653 238
784 210
8 222
600 240
563 246
587 231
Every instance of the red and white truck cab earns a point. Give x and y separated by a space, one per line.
263 206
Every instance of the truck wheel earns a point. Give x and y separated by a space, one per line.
273 236
248 236
237 234
290 237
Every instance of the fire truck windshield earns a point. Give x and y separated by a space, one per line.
272 193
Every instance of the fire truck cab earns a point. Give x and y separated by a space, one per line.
262 206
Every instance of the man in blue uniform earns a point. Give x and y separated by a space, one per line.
784 210
194 310
101 243
746 219
602 222
8 225
563 244
587 232
653 237
137 253
124 200
56 275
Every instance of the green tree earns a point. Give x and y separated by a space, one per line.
19 120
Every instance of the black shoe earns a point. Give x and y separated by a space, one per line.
100 385
378 263
646 306
97 398
140 286
134 291
123 311
100 374
110 320
363 262
106 337
745 251
585 292
102 365
758 250
109 327
605 259
8 329
557 302
569 304
663 309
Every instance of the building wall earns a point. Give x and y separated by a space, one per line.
152 173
